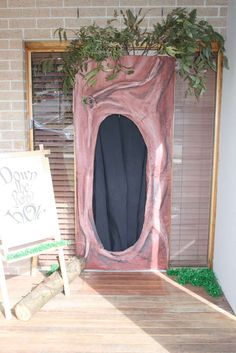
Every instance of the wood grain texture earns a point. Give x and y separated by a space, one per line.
56 45
121 313
214 186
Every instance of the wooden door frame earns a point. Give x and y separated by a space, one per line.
56 46
215 169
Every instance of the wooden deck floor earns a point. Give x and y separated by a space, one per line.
118 312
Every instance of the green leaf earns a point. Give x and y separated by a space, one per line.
85 100
91 74
171 51
64 35
47 65
91 82
130 71
193 15
112 76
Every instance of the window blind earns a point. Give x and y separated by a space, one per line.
192 174
53 127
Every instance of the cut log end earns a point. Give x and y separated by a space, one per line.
22 312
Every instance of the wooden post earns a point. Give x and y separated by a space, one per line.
215 159
5 296
29 109
63 271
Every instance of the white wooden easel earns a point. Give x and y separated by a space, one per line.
28 217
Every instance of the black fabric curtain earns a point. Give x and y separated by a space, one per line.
119 188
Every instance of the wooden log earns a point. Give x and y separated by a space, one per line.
47 289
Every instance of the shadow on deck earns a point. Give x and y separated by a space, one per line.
118 312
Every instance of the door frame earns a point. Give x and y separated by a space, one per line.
57 46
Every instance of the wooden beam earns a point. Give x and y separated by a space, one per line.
29 109
29 124
57 46
194 295
47 46
218 102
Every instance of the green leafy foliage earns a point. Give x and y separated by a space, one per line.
199 277
180 36
189 41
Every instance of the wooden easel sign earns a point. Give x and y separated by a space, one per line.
28 216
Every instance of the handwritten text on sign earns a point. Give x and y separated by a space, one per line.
27 205
23 208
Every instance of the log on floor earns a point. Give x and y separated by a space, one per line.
47 289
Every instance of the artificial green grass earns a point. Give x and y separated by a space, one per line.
199 277
36 249
53 268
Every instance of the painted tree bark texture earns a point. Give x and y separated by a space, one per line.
147 98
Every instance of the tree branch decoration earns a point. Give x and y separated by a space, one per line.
180 36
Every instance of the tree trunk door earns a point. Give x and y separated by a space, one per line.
123 138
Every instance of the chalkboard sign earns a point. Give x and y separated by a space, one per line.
27 205
28 214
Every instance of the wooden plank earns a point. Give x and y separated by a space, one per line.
57 46
171 321
29 110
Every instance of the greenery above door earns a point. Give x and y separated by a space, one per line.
180 36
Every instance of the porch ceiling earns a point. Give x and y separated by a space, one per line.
117 312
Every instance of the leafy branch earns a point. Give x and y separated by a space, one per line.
180 36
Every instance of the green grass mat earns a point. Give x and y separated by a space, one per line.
199 277
36 249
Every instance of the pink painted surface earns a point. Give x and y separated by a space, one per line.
147 98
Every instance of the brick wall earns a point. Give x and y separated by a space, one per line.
22 20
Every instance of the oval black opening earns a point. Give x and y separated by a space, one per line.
119 187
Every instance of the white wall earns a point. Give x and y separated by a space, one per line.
225 242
